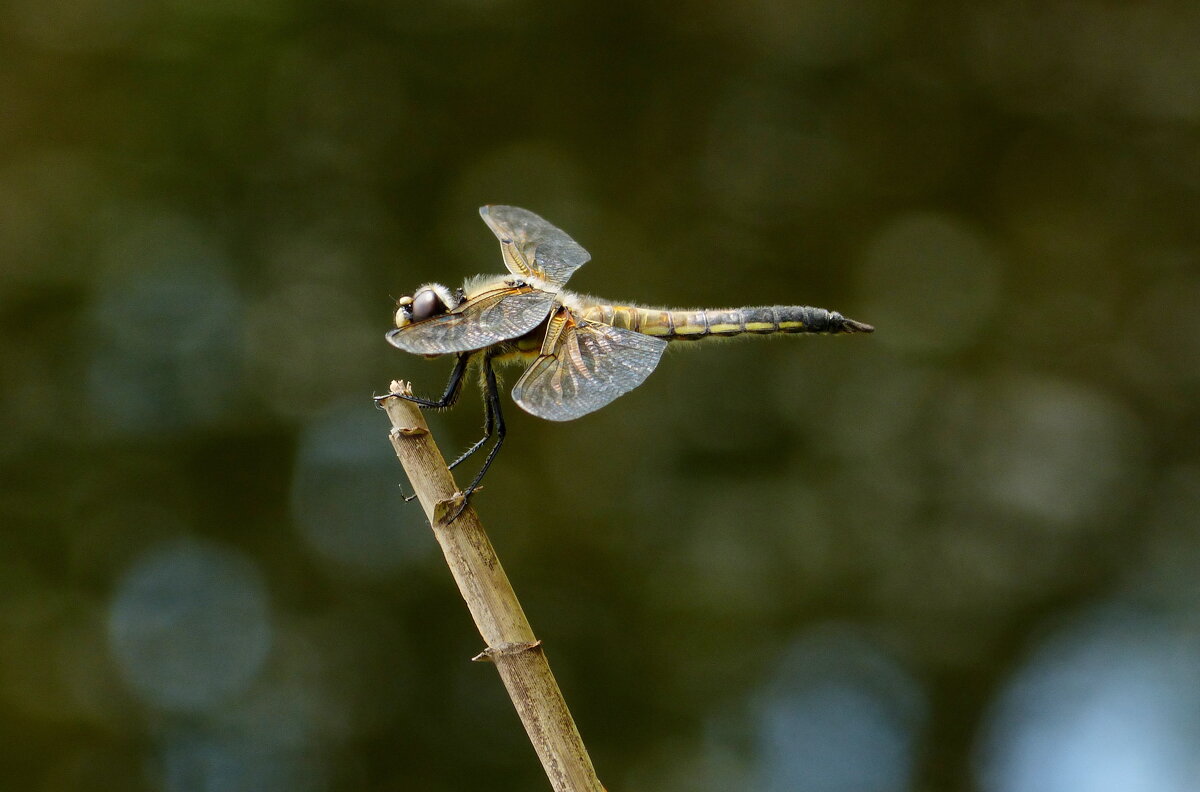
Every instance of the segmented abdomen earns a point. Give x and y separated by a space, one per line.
685 325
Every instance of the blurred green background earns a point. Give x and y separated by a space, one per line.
959 554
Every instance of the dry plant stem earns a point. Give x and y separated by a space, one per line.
511 645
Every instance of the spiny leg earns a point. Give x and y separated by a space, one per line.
487 433
449 397
491 395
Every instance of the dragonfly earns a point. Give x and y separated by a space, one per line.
581 352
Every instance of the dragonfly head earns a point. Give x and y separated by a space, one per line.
430 300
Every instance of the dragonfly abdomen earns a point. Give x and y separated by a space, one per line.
693 325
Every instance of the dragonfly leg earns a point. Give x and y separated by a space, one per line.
491 395
449 397
487 433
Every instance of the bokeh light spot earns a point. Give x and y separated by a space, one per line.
346 496
166 337
189 625
839 715
1046 448
193 760
1110 703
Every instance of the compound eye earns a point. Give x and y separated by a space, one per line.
425 304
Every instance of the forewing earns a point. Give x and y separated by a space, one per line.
592 365
477 323
532 246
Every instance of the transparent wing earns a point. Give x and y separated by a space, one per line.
592 365
478 323
531 246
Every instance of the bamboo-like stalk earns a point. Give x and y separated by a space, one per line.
510 642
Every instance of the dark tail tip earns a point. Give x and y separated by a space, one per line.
851 326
